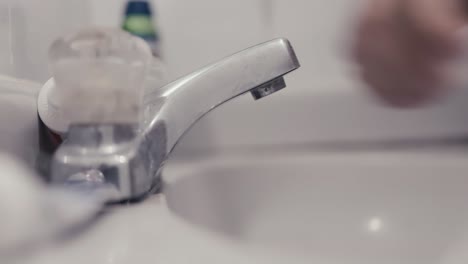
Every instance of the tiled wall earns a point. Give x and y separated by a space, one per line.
198 32
27 27
194 32
323 102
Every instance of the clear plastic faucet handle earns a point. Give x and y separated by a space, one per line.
99 74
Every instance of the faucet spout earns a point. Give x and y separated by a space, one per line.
168 113
258 69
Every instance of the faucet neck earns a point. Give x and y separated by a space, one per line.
182 103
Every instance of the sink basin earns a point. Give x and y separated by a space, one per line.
364 207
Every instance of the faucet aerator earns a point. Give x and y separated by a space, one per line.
268 88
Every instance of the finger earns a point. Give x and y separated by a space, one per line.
402 90
374 19
436 21
397 64
396 72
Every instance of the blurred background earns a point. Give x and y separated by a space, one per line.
291 192
323 104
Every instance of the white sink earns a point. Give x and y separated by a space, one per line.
395 207
400 207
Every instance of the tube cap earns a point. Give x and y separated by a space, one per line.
138 8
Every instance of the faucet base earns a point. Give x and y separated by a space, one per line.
103 160
137 198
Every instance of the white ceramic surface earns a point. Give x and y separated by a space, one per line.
400 206
405 207
18 119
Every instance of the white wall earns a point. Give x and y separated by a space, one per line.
198 32
323 102
321 32
27 27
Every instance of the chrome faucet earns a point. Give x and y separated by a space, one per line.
123 161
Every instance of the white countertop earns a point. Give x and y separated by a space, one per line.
149 232
144 233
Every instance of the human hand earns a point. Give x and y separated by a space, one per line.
402 46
